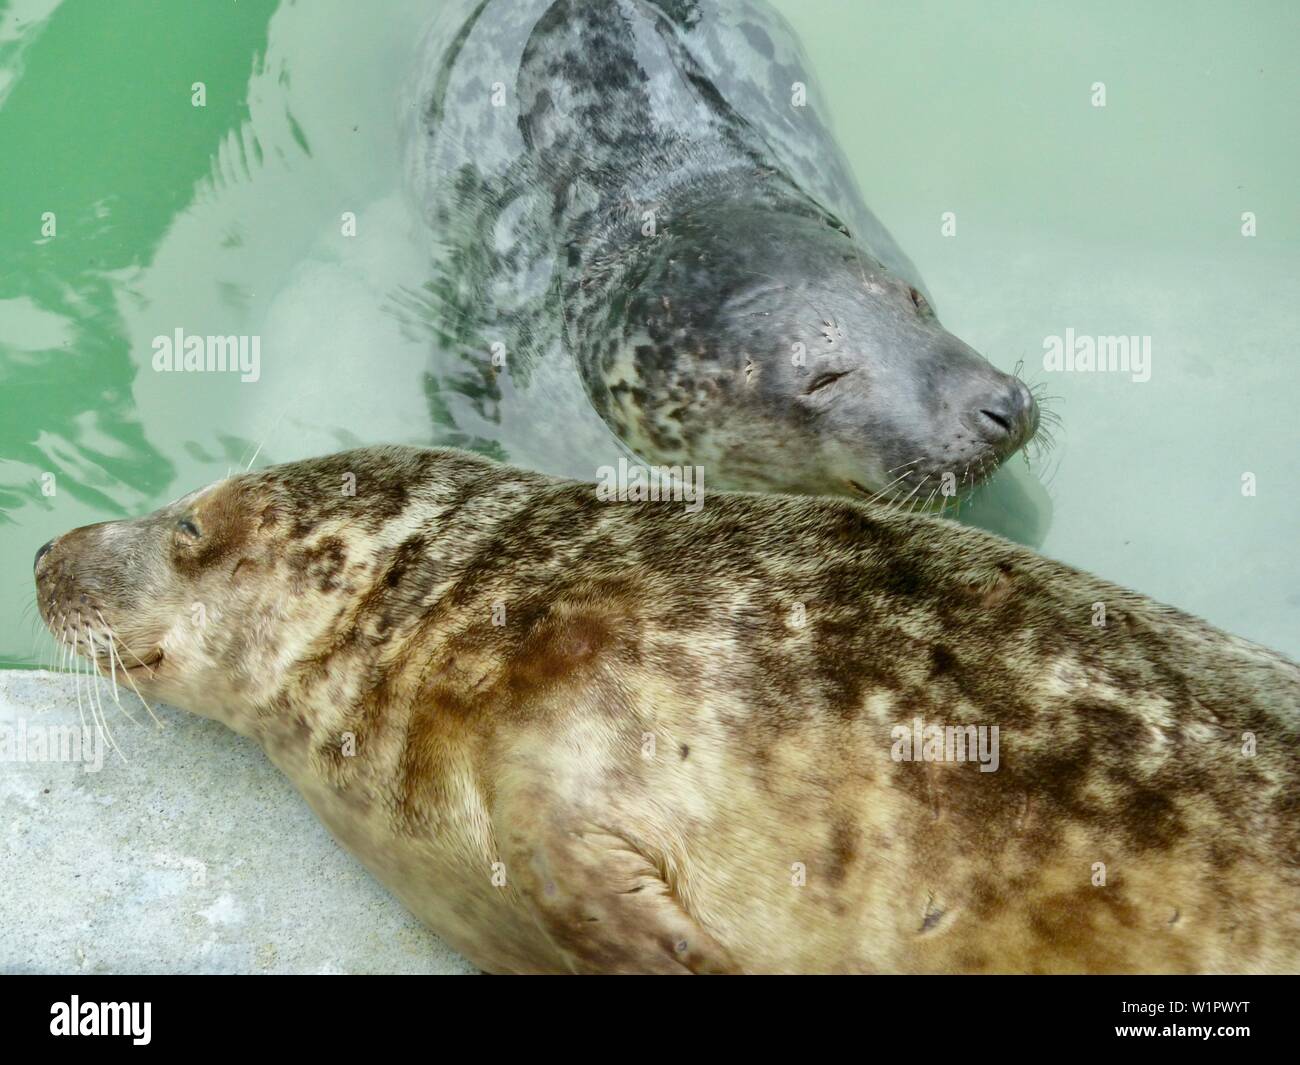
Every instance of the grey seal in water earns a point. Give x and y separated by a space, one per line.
643 190
609 737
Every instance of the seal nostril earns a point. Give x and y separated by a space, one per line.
1008 417
45 550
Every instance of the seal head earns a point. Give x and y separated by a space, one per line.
758 333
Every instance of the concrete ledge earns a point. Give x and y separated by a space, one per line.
192 855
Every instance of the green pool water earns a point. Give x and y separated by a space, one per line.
127 213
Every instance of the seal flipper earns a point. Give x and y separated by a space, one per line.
606 906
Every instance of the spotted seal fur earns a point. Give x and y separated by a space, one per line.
641 200
574 735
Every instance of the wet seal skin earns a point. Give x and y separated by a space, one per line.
647 193
574 735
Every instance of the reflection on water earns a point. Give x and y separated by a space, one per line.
277 210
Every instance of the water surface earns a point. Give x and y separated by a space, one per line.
231 219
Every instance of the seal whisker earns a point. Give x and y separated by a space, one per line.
143 701
79 660
126 674
47 656
256 452
141 661
37 644
915 460
112 666
887 489
975 480
76 672
913 492
93 679
284 410
1050 479
30 615
59 653
917 502
112 673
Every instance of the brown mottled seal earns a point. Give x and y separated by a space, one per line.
579 735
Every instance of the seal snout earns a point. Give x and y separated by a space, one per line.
59 580
84 593
1007 416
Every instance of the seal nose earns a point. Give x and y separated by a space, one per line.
1008 416
45 550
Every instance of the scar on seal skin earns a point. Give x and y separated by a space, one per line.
585 737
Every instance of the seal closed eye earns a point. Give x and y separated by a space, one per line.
650 194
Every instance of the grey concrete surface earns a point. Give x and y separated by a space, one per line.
187 853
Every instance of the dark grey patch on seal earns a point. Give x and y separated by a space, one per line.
758 38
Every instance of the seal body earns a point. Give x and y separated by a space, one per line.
640 201
574 735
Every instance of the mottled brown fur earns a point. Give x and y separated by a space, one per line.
578 735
